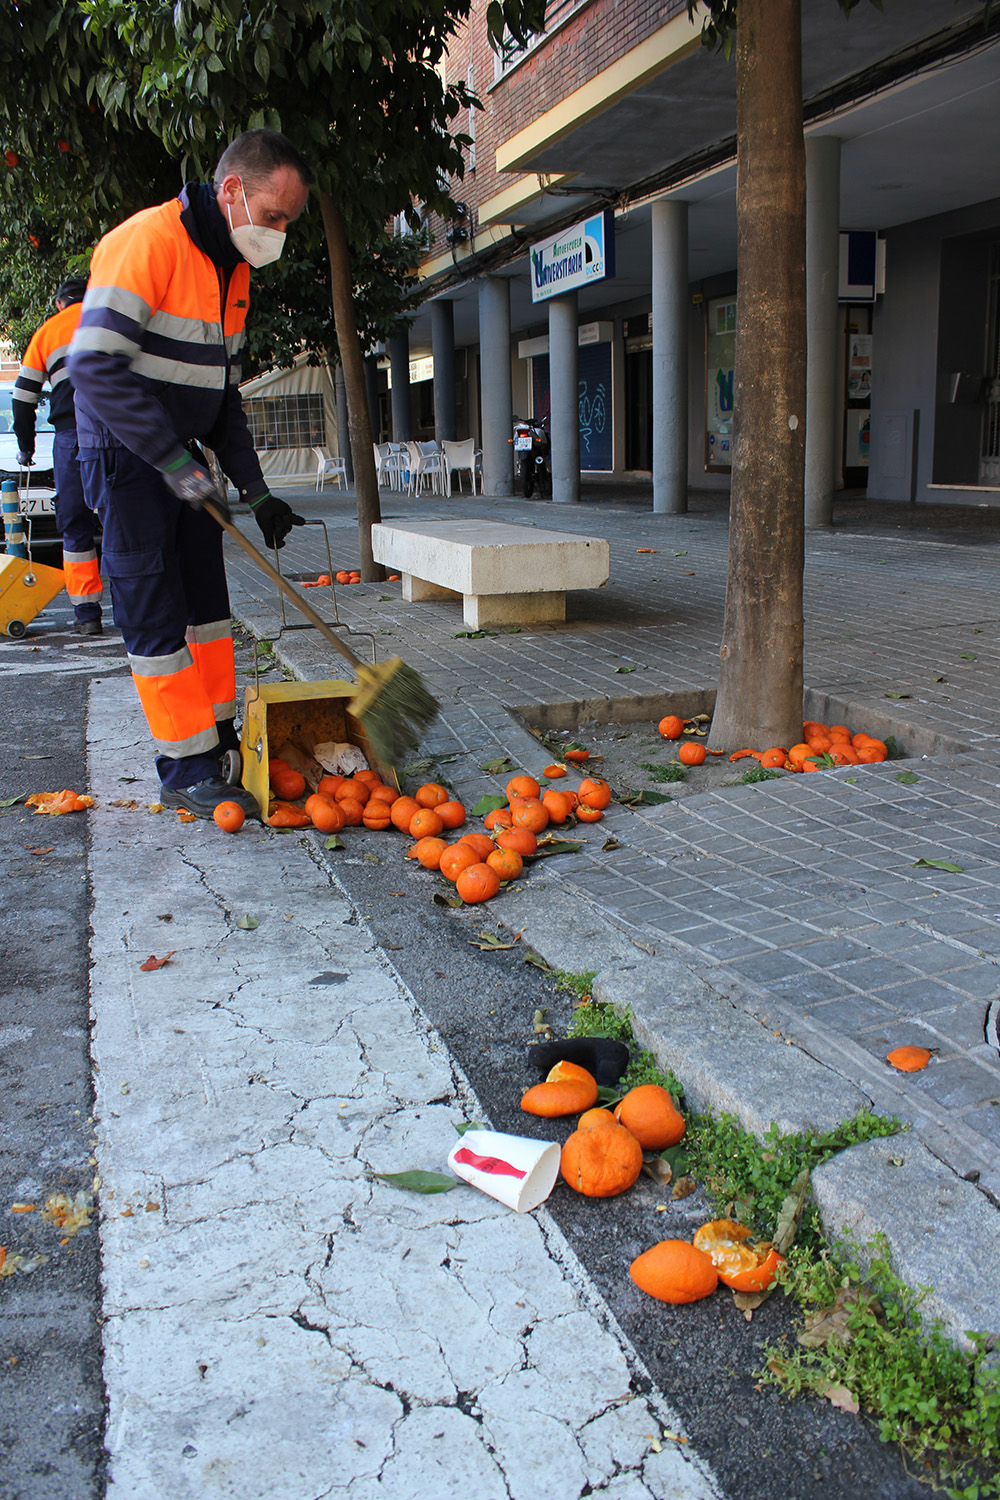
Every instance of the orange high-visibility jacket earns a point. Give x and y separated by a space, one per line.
155 361
45 360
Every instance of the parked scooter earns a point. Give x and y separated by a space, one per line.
532 457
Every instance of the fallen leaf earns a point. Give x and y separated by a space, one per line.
419 1181
539 1023
897 695
440 899
536 960
646 549
494 767
548 847
683 1187
830 1325
790 1213
488 942
152 962
12 801
937 864
488 804
748 1302
968 656
625 669
246 923
907 777
609 844
659 1170
38 849
839 1396
371 859
336 842
123 802
465 1125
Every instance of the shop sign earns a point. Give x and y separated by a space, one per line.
573 259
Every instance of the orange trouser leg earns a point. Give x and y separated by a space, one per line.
211 648
178 711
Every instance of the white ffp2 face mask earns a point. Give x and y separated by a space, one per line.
257 245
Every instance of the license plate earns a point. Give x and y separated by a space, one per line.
522 444
38 505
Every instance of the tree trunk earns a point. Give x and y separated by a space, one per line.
352 360
759 701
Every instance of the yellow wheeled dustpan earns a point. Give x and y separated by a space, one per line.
25 589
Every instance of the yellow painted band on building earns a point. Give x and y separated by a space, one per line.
502 207
673 42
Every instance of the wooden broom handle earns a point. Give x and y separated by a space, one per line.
290 592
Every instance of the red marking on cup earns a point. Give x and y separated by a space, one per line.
491 1164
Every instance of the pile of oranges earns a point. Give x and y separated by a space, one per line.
823 747
477 863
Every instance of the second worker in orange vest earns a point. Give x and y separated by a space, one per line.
155 363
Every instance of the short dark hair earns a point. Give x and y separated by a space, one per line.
72 290
255 154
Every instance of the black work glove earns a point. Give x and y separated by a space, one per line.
193 482
25 460
274 518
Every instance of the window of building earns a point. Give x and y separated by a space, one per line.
287 421
511 52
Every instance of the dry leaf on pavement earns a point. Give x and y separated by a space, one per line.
152 962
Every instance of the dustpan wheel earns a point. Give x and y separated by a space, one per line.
232 767
16 628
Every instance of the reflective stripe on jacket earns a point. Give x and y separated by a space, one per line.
45 360
156 357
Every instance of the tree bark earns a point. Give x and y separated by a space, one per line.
353 363
759 701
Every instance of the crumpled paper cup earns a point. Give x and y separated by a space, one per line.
514 1170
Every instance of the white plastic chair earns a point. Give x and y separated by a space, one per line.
461 456
427 465
335 466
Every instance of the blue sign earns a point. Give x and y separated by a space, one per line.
580 255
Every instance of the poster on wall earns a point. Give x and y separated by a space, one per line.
858 433
859 367
720 365
594 386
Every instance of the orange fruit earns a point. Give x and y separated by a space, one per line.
860 739
506 862
481 842
874 744
674 1271
522 786
691 754
595 1119
277 764
353 811
354 791
477 883
328 785
798 753
367 774
500 818
520 839
428 851
594 792
288 784
530 814
327 815
843 752
229 816
425 823
740 1265
401 813
376 815
588 814
567 1089
600 1163
386 794
648 1112
870 755
808 765
430 794
455 859
577 756
839 732
909 1059
811 727
671 727
773 758
557 805
452 814
819 744
554 771
343 576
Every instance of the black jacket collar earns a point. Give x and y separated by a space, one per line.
206 225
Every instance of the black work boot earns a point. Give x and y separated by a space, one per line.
204 797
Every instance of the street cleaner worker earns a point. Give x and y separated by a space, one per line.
155 364
45 361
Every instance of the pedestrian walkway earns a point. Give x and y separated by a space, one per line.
802 900
278 1323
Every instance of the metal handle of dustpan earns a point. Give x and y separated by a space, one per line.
290 592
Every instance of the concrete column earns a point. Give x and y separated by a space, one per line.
564 397
399 366
371 385
494 379
670 357
443 349
822 274
343 426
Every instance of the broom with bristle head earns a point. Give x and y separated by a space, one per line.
393 704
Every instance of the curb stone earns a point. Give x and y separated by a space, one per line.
942 1232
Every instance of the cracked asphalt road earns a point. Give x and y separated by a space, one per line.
277 1322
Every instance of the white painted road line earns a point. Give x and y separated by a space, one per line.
278 1324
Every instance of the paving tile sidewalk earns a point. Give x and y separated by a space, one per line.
801 900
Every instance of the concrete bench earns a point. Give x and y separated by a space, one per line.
505 575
